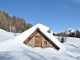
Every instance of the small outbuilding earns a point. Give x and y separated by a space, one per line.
40 36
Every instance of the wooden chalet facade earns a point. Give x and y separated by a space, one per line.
39 39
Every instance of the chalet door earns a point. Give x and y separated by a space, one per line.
38 41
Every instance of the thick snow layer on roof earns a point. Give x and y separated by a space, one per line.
53 39
42 27
22 37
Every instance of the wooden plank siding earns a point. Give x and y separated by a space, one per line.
44 42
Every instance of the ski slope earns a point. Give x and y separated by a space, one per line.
11 49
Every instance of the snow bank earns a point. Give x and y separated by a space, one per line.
14 49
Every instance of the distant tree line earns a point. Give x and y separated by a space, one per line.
61 36
13 23
73 34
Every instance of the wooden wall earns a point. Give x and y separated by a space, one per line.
45 43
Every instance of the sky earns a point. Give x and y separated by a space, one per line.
58 15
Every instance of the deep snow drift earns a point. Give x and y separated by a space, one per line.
11 49
4 35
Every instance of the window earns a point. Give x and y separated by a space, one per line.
45 42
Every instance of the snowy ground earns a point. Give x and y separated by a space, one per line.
4 35
11 49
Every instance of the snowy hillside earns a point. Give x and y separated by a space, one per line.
4 35
15 50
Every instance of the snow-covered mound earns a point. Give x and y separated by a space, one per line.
4 35
21 52
13 49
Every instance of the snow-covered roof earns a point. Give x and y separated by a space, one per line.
23 36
